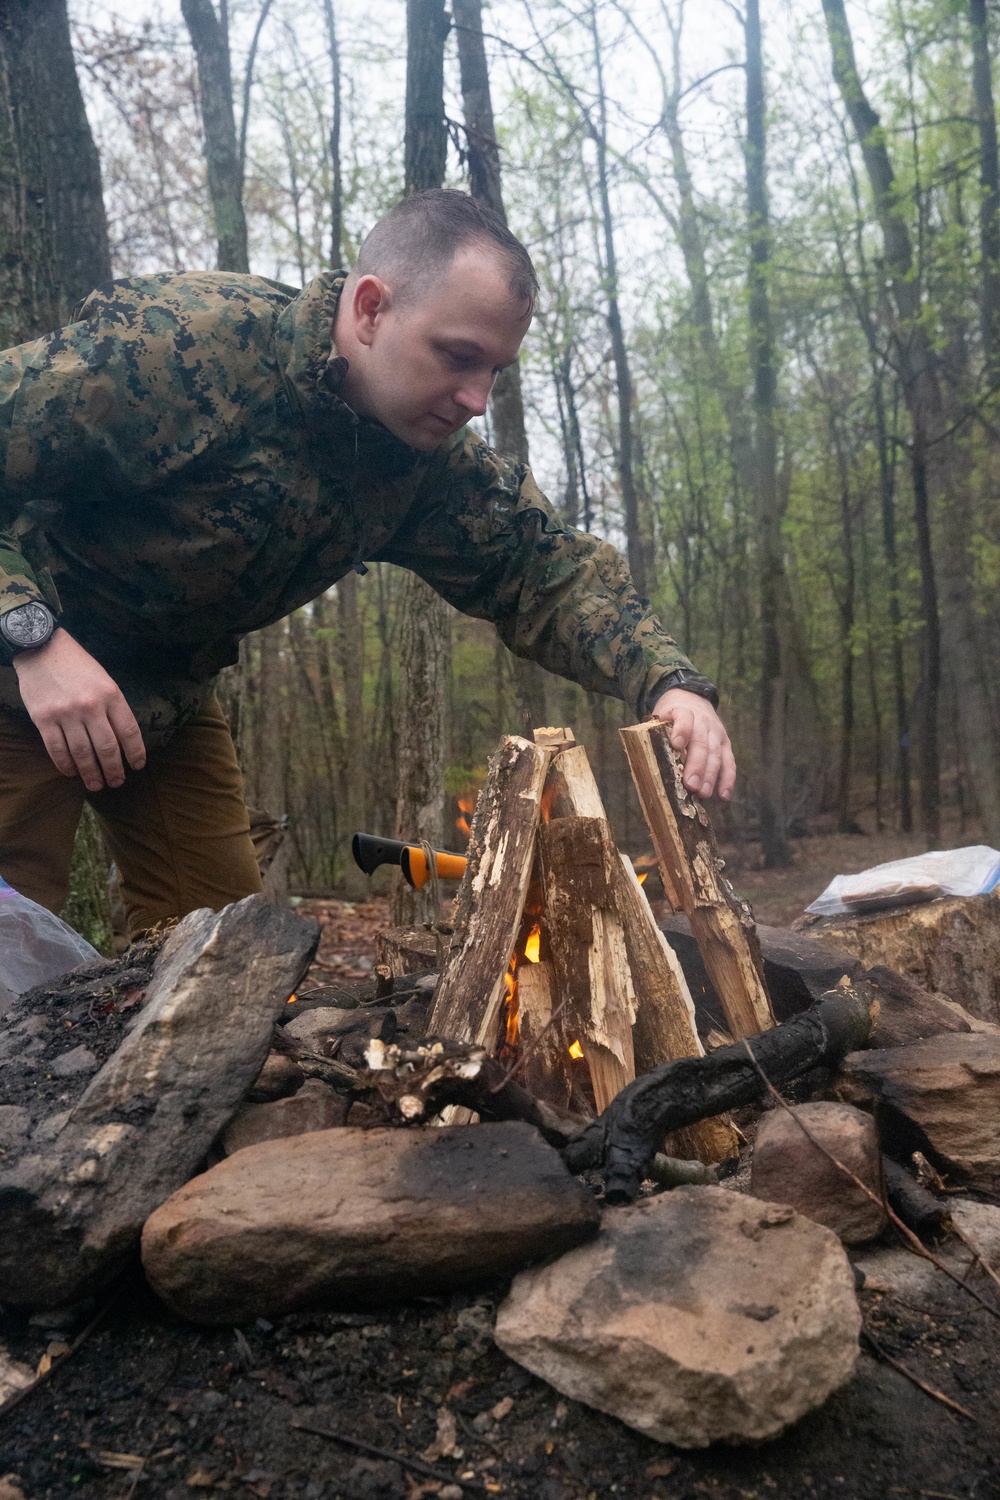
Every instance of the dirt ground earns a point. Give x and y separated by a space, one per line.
151 1407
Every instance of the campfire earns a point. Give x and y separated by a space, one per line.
508 1116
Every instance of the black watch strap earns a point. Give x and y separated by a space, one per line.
690 681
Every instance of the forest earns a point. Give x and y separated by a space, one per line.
765 363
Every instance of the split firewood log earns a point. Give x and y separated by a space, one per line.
628 1134
692 878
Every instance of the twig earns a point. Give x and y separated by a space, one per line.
526 1051
928 1390
417 1465
913 1241
60 1360
980 1259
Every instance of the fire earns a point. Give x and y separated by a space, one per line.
510 985
576 1050
291 999
643 877
466 807
533 944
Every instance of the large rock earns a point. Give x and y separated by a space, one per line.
797 968
789 1168
314 1107
73 1203
940 1096
695 1317
348 1216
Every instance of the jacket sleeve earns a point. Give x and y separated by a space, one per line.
483 535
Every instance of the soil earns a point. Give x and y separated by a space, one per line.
149 1406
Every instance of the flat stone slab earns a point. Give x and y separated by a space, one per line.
940 1096
75 1195
696 1317
355 1216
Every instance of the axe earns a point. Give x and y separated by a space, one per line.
370 851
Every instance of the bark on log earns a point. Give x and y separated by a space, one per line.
689 862
664 1026
409 950
579 862
469 997
952 946
627 1136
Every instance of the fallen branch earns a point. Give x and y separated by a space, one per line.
628 1134
415 1465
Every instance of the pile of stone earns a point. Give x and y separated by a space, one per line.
265 1154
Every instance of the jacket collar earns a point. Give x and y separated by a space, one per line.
313 374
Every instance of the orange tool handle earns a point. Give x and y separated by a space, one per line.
414 866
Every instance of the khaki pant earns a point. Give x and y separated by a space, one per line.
178 830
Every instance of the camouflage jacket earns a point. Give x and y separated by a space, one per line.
178 469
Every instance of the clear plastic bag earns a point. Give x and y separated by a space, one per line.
35 945
902 882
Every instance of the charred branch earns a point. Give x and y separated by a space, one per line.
625 1139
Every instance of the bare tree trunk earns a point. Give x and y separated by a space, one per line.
989 184
426 626
485 183
769 512
215 83
53 230
636 543
336 171
352 666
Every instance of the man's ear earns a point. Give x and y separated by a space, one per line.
369 304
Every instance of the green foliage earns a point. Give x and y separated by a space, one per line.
88 907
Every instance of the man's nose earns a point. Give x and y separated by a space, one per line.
474 396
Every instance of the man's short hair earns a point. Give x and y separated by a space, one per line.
415 243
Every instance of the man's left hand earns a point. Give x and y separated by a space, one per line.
696 728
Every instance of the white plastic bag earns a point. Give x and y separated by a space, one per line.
35 945
901 882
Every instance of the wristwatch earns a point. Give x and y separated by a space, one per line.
691 682
27 626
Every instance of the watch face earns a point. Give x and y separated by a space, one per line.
28 625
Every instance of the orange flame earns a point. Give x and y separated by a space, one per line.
510 985
643 877
291 999
576 1050
466 807
533 944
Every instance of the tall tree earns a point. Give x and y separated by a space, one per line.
53 230
939 468
506 402
769 502
425 644
210 40
989 189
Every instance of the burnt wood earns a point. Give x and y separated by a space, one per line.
628 1134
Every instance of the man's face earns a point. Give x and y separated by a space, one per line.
428 363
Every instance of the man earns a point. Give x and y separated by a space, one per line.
201 454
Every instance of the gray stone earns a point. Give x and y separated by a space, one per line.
789 1168
77 1060
314 1107
940 1096
348 1216
277 1079
695 1317
889 1269
15 1122
73 1207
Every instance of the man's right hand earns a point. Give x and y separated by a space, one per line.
80 712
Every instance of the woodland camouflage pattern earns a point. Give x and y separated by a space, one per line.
178 469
